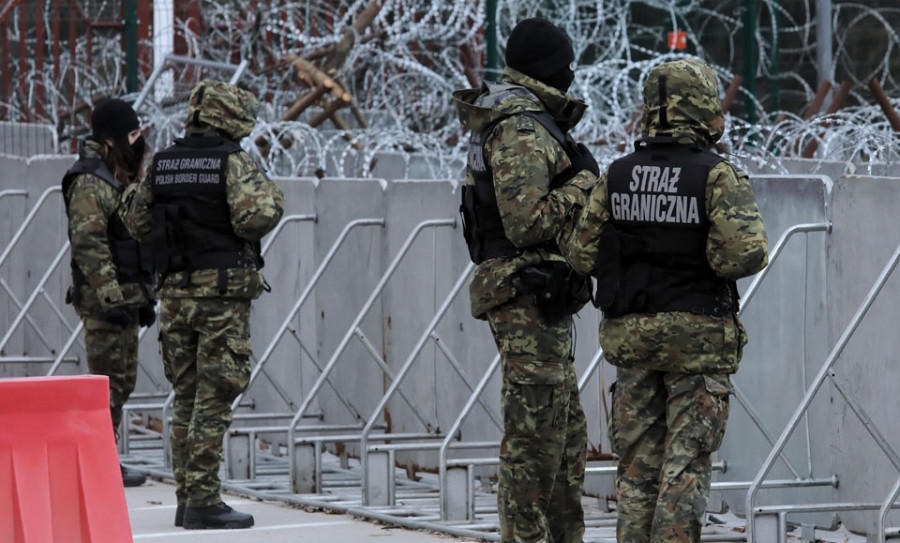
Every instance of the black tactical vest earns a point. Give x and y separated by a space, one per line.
133 260
191 218
657 199
482 225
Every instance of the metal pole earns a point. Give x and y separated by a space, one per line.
775 79
27 221
750 59
131 45
492 55
404 370
824 43
452 431
813 388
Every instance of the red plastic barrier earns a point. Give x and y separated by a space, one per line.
59 469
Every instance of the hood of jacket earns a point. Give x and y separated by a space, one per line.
681 98
515 93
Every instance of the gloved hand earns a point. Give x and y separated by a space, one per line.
582 159
147 314
118 315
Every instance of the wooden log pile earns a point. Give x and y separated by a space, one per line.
318 75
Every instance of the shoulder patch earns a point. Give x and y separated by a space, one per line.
524 123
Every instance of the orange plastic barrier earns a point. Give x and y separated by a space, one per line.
59 469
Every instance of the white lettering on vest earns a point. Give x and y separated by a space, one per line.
654 197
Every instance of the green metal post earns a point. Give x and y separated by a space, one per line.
775 81
131 45
492 60
750 57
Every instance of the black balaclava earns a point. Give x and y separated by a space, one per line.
113 119
136 153
539 49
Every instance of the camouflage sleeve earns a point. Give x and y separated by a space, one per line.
91 203
581 241
256 202
524 157
136 210
737 244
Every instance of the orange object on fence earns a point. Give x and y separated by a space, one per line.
60 480
678 40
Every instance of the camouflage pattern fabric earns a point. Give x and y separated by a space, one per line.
736 247
204 334
206 357
664 428
257 205
542 454
544 442
524 158
672 387
112 350
91 202
224 107
691 102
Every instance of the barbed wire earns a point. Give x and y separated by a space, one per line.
404 66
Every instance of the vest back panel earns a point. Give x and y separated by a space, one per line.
192 221
657 199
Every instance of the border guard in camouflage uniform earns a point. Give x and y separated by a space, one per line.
525 175
206 205
667 232
111 272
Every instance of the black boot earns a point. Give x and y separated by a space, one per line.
179 515
132 478
219 515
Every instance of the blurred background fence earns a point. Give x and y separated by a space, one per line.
795 71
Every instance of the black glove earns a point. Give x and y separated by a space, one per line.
582 159
118 315
147 314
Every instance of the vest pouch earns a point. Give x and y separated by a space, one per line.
558 291
608 272
469 219
168 250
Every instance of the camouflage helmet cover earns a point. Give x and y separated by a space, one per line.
682 96
224 107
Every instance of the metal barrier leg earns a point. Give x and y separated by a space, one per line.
238 456
771 527
456 495
380 478
122 433
305 477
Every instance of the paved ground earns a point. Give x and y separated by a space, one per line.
152 511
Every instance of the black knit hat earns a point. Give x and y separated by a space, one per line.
539 49
113 118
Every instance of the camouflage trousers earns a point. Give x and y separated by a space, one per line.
112 350
206 356
542 454
664 428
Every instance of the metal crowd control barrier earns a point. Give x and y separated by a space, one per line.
377 486
457 489
176 59
768 523
165 398
166 405
38 289
305 452
23 307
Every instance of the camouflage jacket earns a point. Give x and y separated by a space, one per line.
736 247
523 158
256 204
90 202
